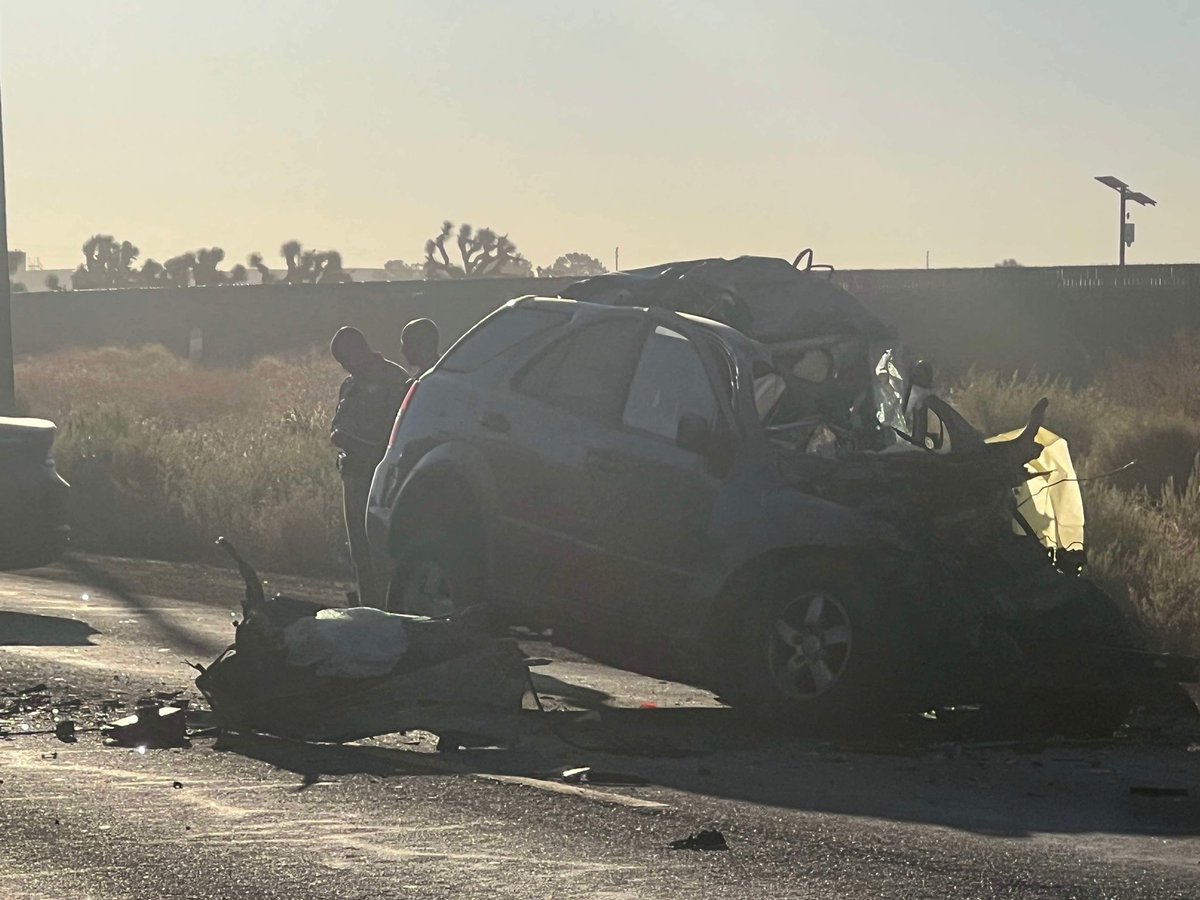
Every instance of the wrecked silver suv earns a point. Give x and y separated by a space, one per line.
672 496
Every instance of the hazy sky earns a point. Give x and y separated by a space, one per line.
872 130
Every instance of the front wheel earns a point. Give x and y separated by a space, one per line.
815 649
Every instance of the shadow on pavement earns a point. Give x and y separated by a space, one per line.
578 695
29 630
314 761
707 754
93 576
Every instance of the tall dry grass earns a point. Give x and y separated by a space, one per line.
1143 527
165 455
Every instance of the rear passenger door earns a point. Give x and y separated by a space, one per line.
552 498
657 498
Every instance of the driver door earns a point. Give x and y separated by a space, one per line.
656 499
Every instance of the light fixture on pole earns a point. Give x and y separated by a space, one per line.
1125 232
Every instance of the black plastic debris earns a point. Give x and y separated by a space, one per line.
704 840
65 731
1144 790
152 727
26 700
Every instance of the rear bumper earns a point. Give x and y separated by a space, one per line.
34 529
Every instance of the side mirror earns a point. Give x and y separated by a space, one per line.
693 434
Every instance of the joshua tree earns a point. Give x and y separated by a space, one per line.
482 253
256 262
309 268
101 262
106 263
290 251
204 270
332 271
178 270
312 266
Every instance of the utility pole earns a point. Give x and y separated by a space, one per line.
926 259
8 400
617 259
1121 225
1124 227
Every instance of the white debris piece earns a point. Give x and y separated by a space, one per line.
360 642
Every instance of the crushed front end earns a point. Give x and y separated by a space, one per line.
996 609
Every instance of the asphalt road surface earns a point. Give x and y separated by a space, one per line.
235 817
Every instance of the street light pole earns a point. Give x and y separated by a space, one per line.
8 401
1124 230
1121 226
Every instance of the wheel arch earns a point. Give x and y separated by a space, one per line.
726 612
451 487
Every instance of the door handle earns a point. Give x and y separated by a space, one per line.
603 462
495 421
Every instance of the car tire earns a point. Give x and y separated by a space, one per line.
814 651
436 575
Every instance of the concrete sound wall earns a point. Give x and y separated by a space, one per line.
1058 320
238 323
1063 321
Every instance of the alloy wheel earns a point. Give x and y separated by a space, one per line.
809 645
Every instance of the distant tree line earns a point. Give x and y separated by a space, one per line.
462 252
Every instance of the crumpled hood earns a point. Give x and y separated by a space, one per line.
906 485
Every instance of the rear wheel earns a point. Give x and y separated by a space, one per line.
436 575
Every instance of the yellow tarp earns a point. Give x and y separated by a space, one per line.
1051 502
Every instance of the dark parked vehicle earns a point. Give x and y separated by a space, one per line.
33 496
647 484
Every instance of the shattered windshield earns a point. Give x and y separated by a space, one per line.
824 395
890 387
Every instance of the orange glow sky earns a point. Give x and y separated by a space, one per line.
871 130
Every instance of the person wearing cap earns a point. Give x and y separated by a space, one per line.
419 345
368 403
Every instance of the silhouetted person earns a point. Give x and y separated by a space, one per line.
419 345
368 402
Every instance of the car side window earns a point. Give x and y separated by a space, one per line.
670 381
587 371
499 333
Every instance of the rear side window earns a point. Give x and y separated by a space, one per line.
498 334
586 372
670 382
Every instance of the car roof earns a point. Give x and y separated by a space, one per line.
585 309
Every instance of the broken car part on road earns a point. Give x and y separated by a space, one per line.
299 671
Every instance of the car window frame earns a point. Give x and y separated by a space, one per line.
722 404
446 361
729 357
629 367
